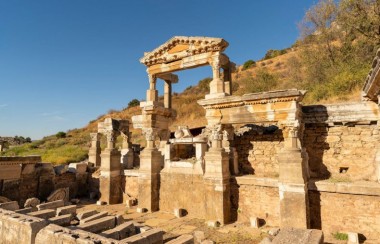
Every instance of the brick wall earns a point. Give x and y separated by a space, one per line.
335 212
331 149
257 151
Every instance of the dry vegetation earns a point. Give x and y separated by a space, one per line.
330 60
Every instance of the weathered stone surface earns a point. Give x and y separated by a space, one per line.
99 225
10 205
15 227
61 169
94 217
62 220
78 168
4 199
154 236
86 214
43 214
24 210
301 236
31 202
184 239
51 205
71 209
59 194
121 231
199 236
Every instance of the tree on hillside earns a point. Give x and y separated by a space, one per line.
133 103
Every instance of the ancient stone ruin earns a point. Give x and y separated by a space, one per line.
263 158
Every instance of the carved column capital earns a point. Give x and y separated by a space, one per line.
111 136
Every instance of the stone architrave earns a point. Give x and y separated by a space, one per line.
31 202
59 194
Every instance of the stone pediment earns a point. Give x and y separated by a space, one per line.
180 47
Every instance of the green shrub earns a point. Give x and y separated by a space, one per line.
264 81
248 64
133 103
204 84
340 236
60 134
272 53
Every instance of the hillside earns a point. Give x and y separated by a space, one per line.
331 60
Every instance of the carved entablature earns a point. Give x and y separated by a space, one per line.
371 87
180 47
254 98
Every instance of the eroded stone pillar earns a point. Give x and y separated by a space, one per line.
228 138
227 80
94 152
217 180
293 178
126 151
149 174
110 177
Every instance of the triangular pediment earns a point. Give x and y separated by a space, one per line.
180 47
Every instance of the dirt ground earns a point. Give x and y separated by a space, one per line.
174 227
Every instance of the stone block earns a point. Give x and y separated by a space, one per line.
86 214
213 224
121 231
51 205
207 242
153 236
94 217
43 214
19 228
59 194
28 169
353 238
184 239
141 210
255 222
78 168
119 219
24 210
301 236
61 169
62 220
99 225
71 209
199 236
10 205
31 202
9 172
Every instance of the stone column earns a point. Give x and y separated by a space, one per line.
94 152
152 93
168 94
149 174
227 80
293 179
110 176
228 138
217 84
217 180
126 151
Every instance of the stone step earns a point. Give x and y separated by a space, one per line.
71 209
62 220
121 231
154 236
24 210
184 239
94 217
51 205
99 225
86 214
43 214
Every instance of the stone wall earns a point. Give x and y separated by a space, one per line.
184 191
257 151
257 197
342 151
335 212
130 183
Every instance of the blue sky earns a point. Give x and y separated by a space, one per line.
65 62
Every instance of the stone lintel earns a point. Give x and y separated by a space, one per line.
357 188
6 160
257 181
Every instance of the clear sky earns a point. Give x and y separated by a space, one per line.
65 62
